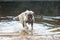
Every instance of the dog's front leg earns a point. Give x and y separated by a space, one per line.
23 24
32 28
25 27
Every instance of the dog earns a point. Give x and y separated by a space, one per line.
26 17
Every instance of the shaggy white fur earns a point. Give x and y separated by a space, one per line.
23 17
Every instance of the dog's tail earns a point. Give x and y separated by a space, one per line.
16 18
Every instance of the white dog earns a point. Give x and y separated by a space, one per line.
26 17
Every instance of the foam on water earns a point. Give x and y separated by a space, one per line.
12 26
16 26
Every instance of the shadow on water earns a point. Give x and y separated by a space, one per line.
7 25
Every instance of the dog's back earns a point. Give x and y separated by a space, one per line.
24 16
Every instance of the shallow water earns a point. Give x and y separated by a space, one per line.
16 27
10 26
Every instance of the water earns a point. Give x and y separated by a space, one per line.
10 26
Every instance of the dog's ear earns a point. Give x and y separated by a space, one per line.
32 12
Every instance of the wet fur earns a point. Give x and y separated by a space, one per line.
23 18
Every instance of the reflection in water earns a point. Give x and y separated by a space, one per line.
11 26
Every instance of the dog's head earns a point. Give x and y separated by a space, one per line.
30 15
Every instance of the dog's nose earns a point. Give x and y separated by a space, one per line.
30 19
